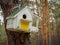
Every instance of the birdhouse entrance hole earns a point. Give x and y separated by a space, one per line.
24 16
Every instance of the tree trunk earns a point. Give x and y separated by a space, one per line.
46 22
14 38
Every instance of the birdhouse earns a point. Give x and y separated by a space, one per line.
21 19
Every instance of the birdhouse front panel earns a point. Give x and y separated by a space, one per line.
24 20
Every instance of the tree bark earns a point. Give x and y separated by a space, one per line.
46 22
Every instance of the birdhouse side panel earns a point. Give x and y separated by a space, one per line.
7 26
10 23
15 23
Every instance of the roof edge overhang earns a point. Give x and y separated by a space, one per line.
11 17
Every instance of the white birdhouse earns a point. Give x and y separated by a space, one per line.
21 19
